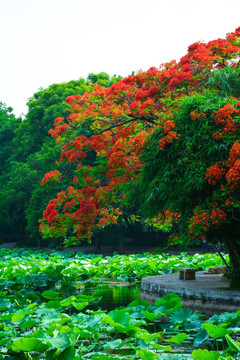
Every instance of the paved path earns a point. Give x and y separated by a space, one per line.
204 280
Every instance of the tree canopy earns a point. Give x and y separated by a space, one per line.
165 139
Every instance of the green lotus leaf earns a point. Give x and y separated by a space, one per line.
67 354
68 301
165 348
167 271
139 302
84 298
83 333
120 317
149 315
50 295
168 297
50 318
18 316
113 344
65 329
192 325
215 331
79 306
147 337
200 338
234 345
26 344
53 304
179 338
5 304
28 323
60 342
205 355
181 316
225 317
146 354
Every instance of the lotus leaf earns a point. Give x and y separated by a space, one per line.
234 345
113 344
60 342
50 295
200 338
26 344
215 331
182 316
205 355
146 354
179 338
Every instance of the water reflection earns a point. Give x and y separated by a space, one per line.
111 295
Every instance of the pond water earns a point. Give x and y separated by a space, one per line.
113 294
119 295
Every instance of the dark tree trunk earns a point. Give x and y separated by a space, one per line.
233 246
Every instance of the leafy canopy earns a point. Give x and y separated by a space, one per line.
161 138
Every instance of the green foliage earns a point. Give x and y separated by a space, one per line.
178 339
38 322
103 79
43 108
215 331
33 153
205 355
233 345
27 152
146 354
227 80
26 344
184 163
8 124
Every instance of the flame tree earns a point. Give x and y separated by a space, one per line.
166 139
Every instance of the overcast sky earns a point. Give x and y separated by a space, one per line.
52 41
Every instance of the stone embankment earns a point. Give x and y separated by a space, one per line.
209 293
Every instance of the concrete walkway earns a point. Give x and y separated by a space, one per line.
208 293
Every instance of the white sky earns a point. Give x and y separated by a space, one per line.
52 41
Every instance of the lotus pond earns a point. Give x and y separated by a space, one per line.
56 306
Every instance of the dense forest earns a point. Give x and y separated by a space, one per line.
28 151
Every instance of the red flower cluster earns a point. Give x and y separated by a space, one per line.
74 149
199 223
51 176
169 124
59 127
218 217
231 167
225 117
195 116
168 139
215 173
234 154
51 213
233 175
232 202
204 219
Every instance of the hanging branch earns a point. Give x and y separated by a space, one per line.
221 255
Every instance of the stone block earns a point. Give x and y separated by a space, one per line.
187 274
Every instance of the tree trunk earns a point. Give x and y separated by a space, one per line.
233 246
